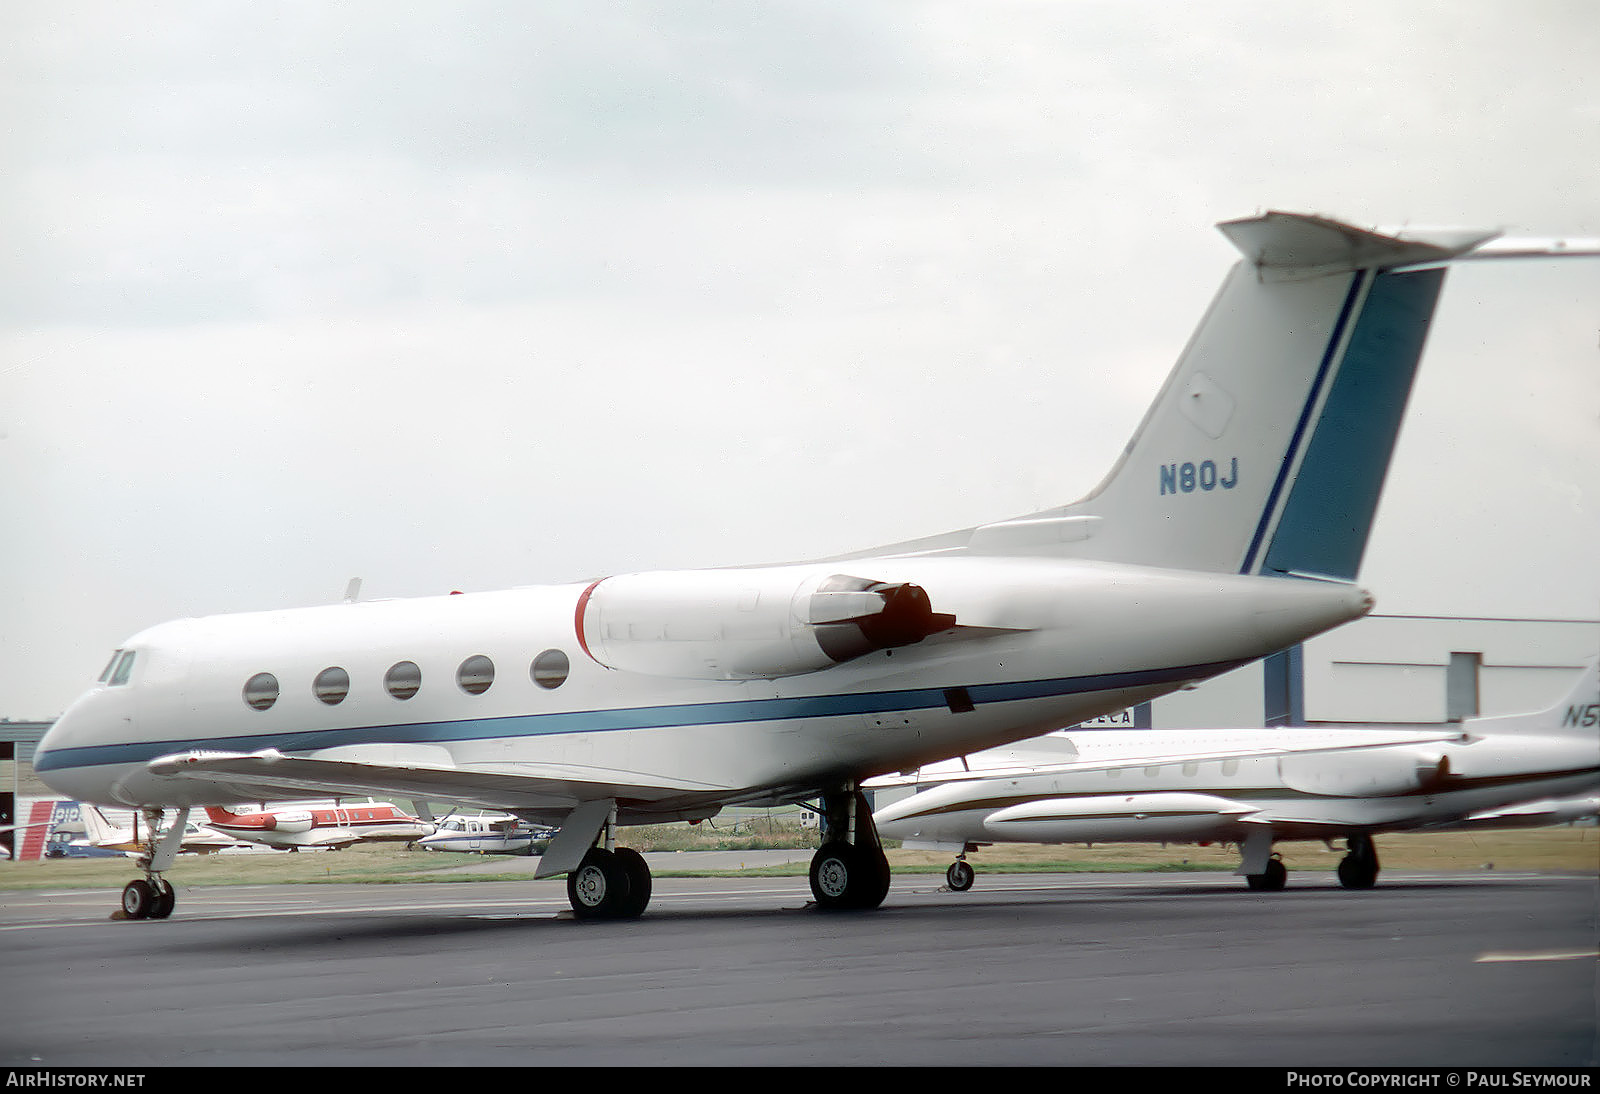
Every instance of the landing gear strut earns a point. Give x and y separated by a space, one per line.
152 896
1359 867
850 870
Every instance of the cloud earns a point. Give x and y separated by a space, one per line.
464 296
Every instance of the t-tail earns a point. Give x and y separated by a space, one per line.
1266 450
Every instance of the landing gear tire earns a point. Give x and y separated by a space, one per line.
1359 867
960 876
639 884
833 869
138 899
1272 880
844 876
166 900
599 887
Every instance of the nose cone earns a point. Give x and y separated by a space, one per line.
77 754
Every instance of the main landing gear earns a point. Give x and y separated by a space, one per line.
961 875
1359 867
1263 871
1272 878
611 882
850 870
152 896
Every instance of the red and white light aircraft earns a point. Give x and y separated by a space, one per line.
1232 526
319 824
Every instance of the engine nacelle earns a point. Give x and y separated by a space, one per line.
1366 773
748 624
293 822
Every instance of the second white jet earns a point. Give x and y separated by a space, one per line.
1254 787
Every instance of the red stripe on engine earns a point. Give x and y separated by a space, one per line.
577 619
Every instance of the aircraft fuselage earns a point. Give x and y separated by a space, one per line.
513 682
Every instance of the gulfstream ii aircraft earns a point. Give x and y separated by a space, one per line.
1252 787
1232 526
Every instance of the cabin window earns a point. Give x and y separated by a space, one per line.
550 669
260 691
475 674
403 679
331 685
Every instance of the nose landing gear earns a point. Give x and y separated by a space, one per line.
960 875
152 896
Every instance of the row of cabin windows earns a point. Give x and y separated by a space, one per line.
1229 766
474 676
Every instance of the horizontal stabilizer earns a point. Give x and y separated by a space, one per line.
1295 246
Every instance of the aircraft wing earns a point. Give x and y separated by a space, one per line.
551 791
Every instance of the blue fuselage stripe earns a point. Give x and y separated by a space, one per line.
634 718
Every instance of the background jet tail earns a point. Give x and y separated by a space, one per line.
1267 447
1576 714
98 828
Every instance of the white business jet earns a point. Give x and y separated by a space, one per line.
1253 787
1232 526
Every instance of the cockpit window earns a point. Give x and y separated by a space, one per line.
122 669
105 673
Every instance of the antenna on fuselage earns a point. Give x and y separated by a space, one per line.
352 590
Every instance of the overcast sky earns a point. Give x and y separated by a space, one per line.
463 296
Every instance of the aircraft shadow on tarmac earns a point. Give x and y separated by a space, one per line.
310 929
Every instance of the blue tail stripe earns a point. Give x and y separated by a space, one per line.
1323 368
1330 507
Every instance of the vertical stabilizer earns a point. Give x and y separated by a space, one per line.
1267 447
1576 714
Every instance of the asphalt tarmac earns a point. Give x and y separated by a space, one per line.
1427 970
